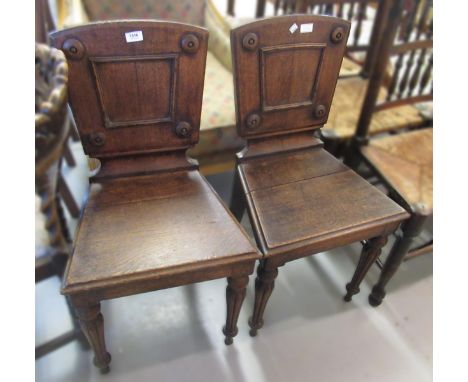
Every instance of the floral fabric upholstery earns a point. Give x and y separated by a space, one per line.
187 11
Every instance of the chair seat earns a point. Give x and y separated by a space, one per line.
347 104
148 226
310 199
405 161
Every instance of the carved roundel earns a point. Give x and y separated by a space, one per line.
320 111
190 43
97 139
253 121
73 49
337 35
250 41
183 129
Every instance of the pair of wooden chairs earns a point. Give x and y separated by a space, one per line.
152 221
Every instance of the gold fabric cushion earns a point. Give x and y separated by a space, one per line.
405 160
347 105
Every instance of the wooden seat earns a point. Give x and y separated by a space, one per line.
301 200
406 162
151 221
402 162
156 219
298 197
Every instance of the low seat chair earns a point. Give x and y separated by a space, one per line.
301 200
151 221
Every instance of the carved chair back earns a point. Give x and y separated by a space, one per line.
51 131
284 81
407 44
363 14
135 88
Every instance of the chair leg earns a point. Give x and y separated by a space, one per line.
92 324
264 284
237 205
235 294
369 255
409 230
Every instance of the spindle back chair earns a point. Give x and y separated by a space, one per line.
403 161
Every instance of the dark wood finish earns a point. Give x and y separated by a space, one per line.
301 200
151 221
51 132
402 162
353 11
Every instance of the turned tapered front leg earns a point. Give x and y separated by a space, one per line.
410 229
235 294
92 324
369 255
264 284
237 204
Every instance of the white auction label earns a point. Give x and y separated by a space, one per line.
293 28
134 36
307 28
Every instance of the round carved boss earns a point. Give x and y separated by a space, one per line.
190 43
250 41
97 139
183 130
320 111
73 48
337 35
253 121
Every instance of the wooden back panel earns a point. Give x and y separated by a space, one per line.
408 38
284 79
135 87
358 12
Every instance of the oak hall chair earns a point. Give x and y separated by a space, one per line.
151 221
301 200
53 246
368 18
218 139
403 161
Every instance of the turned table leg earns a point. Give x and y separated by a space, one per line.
264 284
369 255
235 294
409 230
92 324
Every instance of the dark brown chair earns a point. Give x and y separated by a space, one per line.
403 162
151 221
51 131
301 200
358 65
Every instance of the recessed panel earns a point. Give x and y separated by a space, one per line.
289 75
136 91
